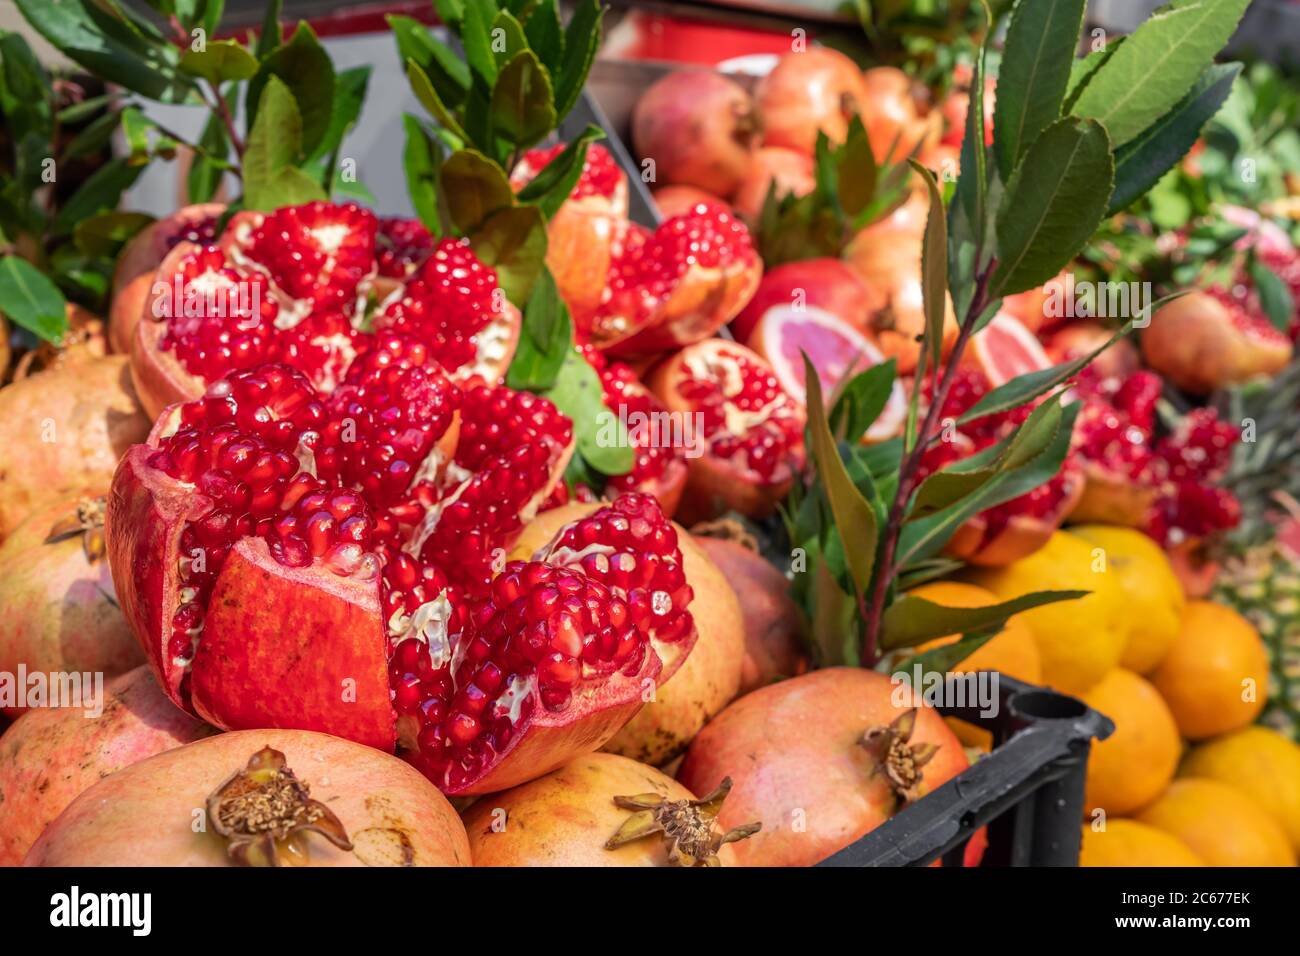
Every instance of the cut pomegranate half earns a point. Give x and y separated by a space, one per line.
1004 349
400 246
785 334
674 286
748 433
268 569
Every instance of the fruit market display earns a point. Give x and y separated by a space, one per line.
519 532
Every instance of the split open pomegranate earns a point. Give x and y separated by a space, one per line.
334 561
312 286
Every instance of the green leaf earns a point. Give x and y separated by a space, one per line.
1054 202
545 339
349 95
913 620
105 234
212 11
30 300
934 266
270 37
270 179
101 192
94 136
967 219
305 69
581 40
477 44
600 437
546 36
94 37
208 167
507 37
1141 162
553 185
856 172
474 187
1036 59
854 517
431 101
77 112
523 109
942 659
447 73
1157 65
861 401
220 61
421 159
513 241
1274 295
25 94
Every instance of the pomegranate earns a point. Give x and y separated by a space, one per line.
957 104
271 798
820 760
773 628
824 283
817 90
897 117
400 246
659 468
691 688
1165 484
790 172
51 755
483 675
752 441
698 127
600 810
673 286
1207 339
63 430
1015 528
1078 339
133 275
582 232
84 337
299 285
60 613
675 200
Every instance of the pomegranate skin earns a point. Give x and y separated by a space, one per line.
564 818
50 756
675 200
825 283
134 274
144 815
771 621
1078 339
816 90
1200 345
698 126
60 614
792 752
64 430
791 171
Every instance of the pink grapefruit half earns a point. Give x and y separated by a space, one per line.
1004 349
836 349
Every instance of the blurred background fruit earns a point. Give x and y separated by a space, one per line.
1132 766
1259 762
1221 825
1129 843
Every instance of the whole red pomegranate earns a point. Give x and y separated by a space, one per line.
377 567
600 810
133 276
675 200
299 285
897 116
810 91
1078 339
819 761
699 129
270 798
49 756
581 234
749 442
60 613
773 627
673 286
691 689
827 284
956 106
788 171
63 430
1206 340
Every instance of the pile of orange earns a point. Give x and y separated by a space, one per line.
1186 778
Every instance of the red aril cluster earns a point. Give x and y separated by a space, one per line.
400 246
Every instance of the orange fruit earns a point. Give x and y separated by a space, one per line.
1261 763
1222 825
1129 843
1132 766
1215 677
1013 651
